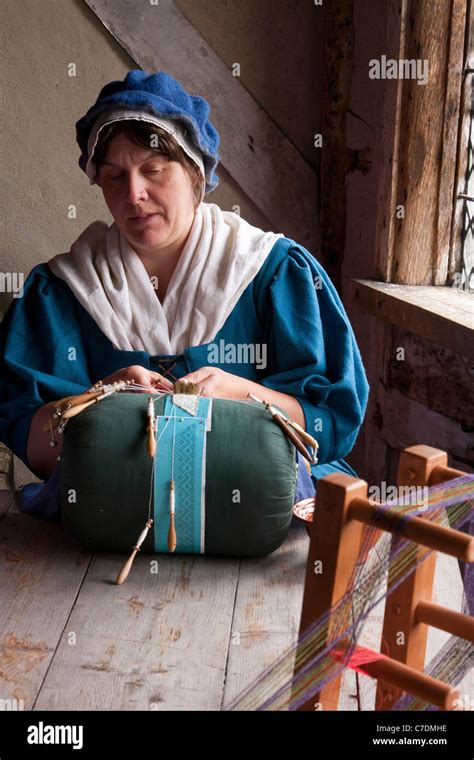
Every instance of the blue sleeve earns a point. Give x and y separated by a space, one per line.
313 354
42 355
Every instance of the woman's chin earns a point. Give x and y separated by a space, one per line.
147 235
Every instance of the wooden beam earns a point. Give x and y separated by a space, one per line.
434 35
462 158
404 422
255 152
440 314
449 140
420 373
335 160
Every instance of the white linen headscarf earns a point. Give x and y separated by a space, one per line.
221 256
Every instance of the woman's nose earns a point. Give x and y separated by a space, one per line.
136 190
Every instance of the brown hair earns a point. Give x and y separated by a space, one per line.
141 134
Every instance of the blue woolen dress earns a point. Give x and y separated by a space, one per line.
50 347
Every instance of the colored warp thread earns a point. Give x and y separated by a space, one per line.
313 657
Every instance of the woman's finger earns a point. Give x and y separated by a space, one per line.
147 377
160 380
199 375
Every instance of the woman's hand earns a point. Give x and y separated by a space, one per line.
141 376
42 459
215 382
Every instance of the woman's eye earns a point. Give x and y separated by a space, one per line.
115 177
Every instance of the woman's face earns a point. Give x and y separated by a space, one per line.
149 197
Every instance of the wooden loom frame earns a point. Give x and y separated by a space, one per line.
335 540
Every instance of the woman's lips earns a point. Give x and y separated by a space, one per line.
140 221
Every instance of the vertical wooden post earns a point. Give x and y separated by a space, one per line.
335 157
335 543
403 638
426 154
462 206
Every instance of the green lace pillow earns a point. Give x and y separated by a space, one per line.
233 469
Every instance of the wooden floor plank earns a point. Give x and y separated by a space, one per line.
41 572
157 642
267 612
349 697
191 636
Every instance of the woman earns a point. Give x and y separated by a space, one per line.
176 288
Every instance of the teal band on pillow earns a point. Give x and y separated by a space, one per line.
183 434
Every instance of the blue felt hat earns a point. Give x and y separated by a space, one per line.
161 96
